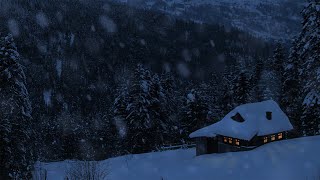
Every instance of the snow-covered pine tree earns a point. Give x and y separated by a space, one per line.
143 117
241 89
171 101
255 91
308 47
216 92
291 89
269 85
310 114
308 52
16 134
195 114
230 73
278 68
159 118
227 100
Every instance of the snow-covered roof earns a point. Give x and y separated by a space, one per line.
255 122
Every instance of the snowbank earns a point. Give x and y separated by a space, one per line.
295 159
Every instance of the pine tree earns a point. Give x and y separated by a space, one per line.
171 102
279 59
310 114
145 124
227 100
256 94
16 126
160 129
228 82
308 53
269 84
195 113
291 88
278 68
241 88
308 46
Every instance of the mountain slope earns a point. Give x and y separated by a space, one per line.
291 159
267 19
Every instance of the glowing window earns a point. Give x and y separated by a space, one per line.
265 139
273 137
237 142
230 140
225 139
280 136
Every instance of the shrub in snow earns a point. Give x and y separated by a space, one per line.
86 170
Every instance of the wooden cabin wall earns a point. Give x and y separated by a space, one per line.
201 146
256 141
222 148
212 145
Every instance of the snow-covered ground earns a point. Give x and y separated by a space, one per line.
296 159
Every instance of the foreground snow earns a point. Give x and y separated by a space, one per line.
295 159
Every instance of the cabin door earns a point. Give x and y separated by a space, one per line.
212 145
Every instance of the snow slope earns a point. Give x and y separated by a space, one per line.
295 159
268 19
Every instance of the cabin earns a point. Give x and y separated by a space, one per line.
244 128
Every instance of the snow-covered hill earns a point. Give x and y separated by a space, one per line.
268 19
295 159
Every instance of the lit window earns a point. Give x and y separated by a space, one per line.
230 140
225 139
273 137
238 142
280 136
265 139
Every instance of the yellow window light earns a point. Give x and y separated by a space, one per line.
225 139
273 137
238 142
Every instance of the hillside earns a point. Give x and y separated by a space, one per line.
78 57
294 159
268 19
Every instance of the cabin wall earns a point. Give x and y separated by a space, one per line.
201 146
256 141
205 145
222 148
212 145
